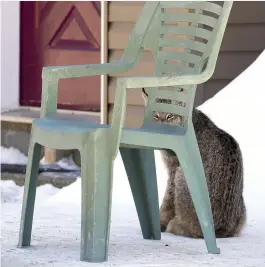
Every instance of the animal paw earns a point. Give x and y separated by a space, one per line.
163 228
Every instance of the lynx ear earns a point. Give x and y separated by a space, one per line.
145 95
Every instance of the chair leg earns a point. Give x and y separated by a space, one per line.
96 173
191 163
141 171
29 193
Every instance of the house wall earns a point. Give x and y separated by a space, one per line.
10 28
243 42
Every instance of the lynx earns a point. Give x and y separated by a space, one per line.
223 166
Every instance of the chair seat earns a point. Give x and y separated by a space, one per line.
159 128
61 125
150 135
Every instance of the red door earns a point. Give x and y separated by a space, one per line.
55 34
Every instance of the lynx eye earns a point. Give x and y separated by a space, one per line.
156 117
169 116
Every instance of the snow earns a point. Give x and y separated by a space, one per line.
10 192
238 109
64 163
11 155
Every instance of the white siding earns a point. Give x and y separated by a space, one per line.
10 31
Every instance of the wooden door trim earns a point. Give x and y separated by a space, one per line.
104 59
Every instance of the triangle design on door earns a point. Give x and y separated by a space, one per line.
74 33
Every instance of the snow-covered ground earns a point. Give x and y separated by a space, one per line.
11 155
239 109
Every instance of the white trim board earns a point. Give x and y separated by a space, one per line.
10 50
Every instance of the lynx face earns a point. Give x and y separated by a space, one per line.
164 117
169 118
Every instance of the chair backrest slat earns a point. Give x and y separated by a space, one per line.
182 43
179 56
205 5
170 108
188 17
169 95
185 30
172 69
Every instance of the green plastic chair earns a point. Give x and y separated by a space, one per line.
175 72
98 144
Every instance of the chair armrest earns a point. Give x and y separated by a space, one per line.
154 81
52 75
76 71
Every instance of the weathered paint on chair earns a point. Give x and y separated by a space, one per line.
99 144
